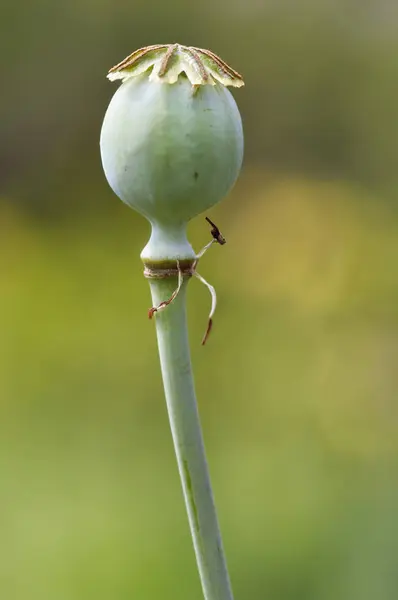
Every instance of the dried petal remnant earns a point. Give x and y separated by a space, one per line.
168 61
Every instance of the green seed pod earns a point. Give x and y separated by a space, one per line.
172 140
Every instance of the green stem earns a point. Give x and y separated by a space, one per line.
171 328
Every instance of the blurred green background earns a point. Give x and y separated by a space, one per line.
298 384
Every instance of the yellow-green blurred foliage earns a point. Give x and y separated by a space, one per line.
298 385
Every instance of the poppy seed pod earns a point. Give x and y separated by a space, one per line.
172 140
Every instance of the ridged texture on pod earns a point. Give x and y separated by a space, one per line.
168 61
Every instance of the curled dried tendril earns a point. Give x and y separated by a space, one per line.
217 238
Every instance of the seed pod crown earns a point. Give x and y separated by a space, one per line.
168 61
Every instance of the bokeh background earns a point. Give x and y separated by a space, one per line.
298 385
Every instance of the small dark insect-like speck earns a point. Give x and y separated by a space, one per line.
196 175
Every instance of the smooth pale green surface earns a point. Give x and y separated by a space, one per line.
172 335
171 151
168 241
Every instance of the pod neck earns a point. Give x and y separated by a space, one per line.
167 245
